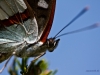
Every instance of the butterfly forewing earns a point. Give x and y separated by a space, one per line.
44 13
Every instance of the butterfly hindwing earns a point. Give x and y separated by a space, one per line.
16 26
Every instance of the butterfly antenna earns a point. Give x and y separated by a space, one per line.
5 64
82 29
76 17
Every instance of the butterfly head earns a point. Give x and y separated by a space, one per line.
52 43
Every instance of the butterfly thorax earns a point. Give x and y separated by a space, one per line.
33 50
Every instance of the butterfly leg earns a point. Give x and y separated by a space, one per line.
5 64
39 56
36 58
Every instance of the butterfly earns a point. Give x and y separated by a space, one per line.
25 26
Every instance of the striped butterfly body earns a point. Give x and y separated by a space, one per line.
24 28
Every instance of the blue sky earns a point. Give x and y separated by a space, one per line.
76 54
